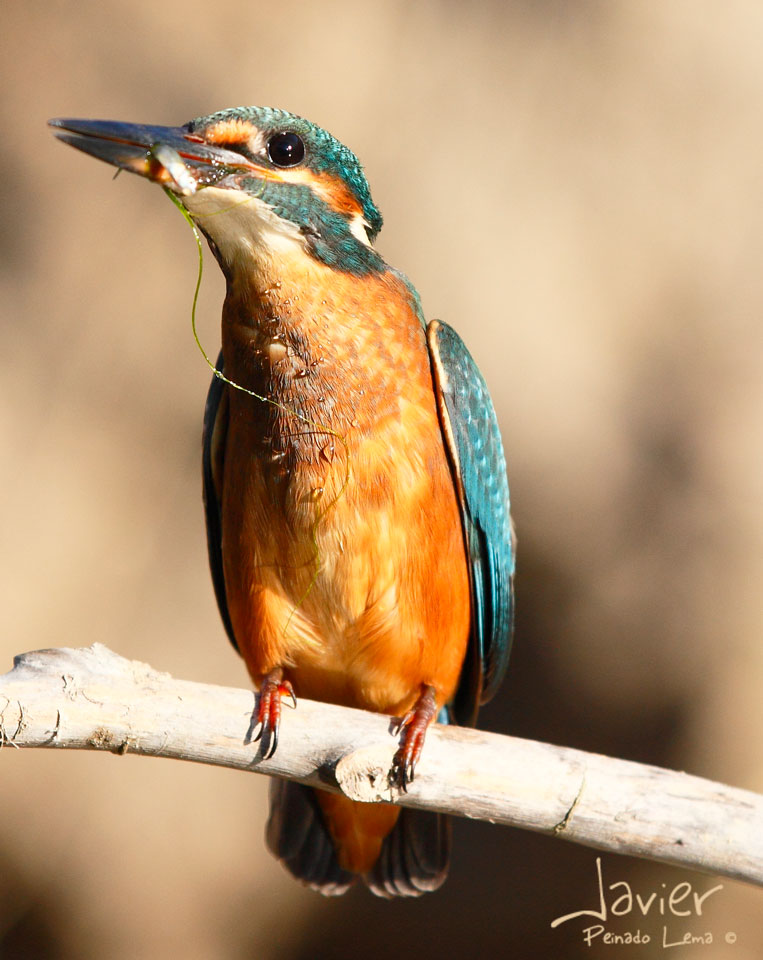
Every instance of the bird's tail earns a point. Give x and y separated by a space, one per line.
297 835
415 856
397 852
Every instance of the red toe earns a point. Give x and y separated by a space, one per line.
268 711
415 724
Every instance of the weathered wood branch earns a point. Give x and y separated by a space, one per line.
93 699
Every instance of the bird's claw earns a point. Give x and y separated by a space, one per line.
415 724
268 712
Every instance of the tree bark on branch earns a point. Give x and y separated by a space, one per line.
92 699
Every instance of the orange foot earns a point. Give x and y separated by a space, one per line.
268 712
415 724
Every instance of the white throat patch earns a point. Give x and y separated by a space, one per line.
243 227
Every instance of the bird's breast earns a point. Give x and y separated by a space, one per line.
329 361
338 502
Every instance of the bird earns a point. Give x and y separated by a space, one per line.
354 479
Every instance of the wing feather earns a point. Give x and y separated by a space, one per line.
473 440
213 464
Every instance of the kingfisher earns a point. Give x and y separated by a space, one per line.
354 479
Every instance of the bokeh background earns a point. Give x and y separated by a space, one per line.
577 187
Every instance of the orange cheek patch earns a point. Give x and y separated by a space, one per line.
331 189
337 194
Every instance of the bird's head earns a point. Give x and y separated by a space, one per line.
262 184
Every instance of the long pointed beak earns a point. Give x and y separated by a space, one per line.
172 156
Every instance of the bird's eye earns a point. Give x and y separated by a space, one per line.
286 149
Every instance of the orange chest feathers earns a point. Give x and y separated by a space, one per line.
343 551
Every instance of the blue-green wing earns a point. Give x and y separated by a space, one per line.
473 441
212 465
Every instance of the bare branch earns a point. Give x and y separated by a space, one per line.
91 698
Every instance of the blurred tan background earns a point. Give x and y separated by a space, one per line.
577 187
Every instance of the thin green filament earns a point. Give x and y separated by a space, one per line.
320 428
